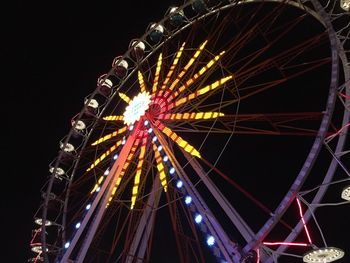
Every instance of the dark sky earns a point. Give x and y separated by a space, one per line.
53 54
55 51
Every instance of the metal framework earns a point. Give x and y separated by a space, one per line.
192 97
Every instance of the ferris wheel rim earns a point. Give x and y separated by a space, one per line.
153 51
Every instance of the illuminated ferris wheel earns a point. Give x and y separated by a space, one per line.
214 138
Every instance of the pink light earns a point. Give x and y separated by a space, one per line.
34 236
339 131
343 95
257 255
37 257
285 244
302 218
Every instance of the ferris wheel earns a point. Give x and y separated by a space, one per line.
213 138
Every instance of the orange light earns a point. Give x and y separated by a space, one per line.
191 116
97 184
188 65
179 141
197 75
138 175
124 97
104 155
173 66
108 136
122 172
141 81
160 167
156 76
202 91
113 118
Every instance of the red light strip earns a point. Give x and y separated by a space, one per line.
37 257
285 244
339 131
257 255
343 95
302 218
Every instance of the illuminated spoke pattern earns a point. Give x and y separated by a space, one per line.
105 154
177 121
142 107
135 188
190 116
109 136
120 177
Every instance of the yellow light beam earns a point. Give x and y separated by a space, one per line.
110 135
135 188
190 116
188 65
196 76
97 184
179 141
122 172
124 97
105 154
200 92
156 75
141 81
173 66
160 167
113 118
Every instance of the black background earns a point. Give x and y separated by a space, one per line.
52 56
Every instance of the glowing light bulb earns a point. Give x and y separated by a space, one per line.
137 108
188 200
210 241
198 218
179 184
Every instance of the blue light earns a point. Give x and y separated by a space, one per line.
131 127
146 122
115 157
77 225
210 241
107 171
98 189
179 184
198 218
165 158
124 141
88 207
150 130
154 139
172 170
160 147
66 245
188 200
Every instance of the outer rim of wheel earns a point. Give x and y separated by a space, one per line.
325 122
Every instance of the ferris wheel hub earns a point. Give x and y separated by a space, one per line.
137 107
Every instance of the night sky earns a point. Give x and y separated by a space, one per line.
54 53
